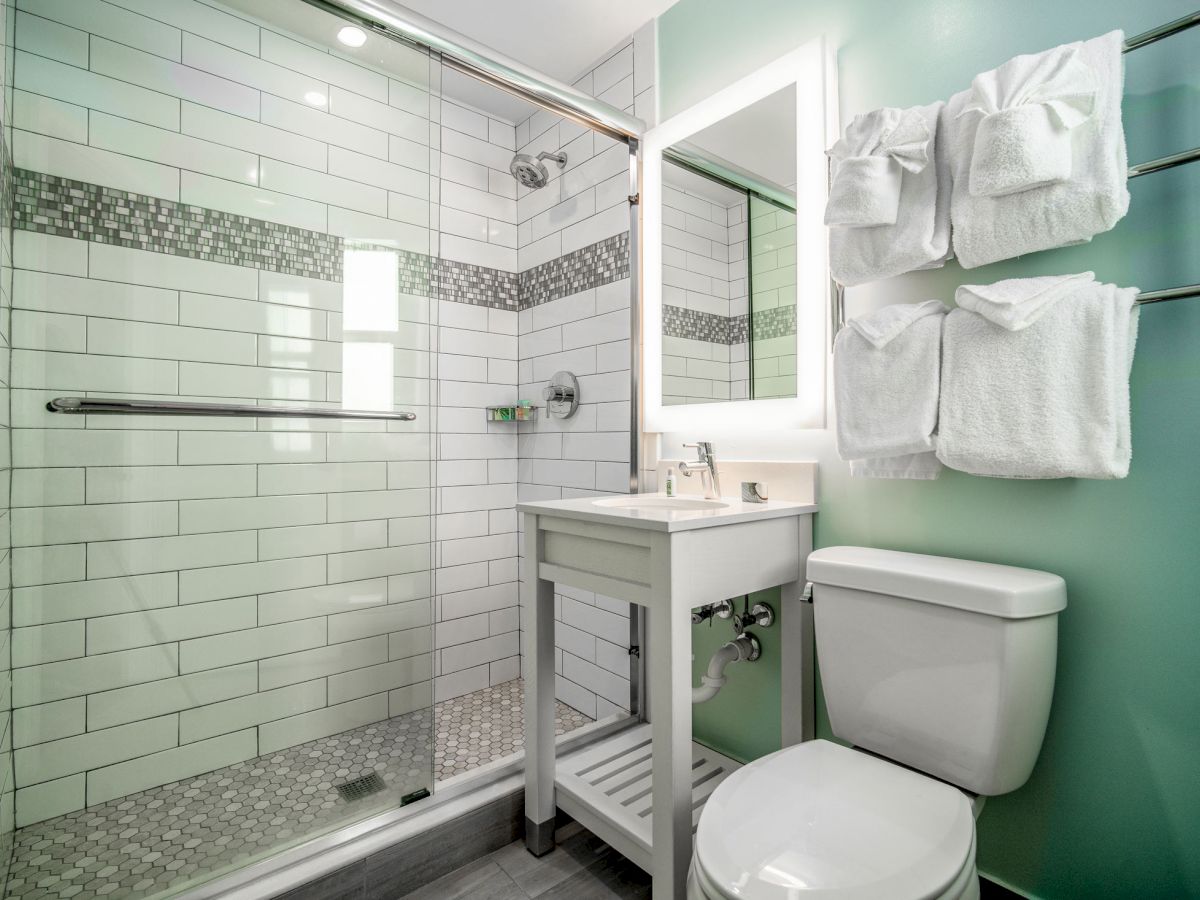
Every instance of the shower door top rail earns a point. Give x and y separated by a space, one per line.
482 62
110 406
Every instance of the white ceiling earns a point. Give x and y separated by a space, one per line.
562 38
559 37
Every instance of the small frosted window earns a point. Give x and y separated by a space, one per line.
367 375
370 293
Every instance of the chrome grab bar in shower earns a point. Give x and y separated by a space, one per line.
109 406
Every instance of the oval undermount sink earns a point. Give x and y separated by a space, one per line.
645 501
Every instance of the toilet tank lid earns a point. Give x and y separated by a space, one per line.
1006 592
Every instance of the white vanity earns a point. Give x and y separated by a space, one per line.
668 555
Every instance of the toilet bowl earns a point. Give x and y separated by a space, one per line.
939 672
820 820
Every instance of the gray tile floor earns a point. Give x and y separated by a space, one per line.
582 867
159 840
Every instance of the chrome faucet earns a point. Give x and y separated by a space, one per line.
706 465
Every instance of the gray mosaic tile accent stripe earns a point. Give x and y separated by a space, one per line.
695 325
739 329
91 212
477 285
779 321
446 279
600 263
715 329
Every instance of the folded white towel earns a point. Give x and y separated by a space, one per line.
886 367
1044 394
869 162
1027 109
1016 303
918 235
1077 104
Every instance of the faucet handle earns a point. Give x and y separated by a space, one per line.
702 448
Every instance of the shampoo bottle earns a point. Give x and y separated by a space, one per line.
670 482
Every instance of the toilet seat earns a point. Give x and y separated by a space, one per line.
822 821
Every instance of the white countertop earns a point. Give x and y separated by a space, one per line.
735 511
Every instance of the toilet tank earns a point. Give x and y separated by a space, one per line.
944 665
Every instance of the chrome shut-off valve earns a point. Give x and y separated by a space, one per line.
562 395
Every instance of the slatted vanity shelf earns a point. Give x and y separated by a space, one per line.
642 789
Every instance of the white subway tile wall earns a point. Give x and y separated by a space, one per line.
198 592
585 332
773 283
704 290
39 647
239 586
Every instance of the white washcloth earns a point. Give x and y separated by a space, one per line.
869 162
1044 395
1091 200
1026 110
886 368
920 235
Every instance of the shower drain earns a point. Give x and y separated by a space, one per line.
358 788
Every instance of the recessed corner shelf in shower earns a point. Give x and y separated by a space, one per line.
511 413
109 406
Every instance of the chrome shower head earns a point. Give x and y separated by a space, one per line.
530 171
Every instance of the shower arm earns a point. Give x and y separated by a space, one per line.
560 158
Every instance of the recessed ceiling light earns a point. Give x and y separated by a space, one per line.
316 98
352 37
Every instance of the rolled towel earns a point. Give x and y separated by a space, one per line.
886 212
1043 393
1015 190
885 369
1027 109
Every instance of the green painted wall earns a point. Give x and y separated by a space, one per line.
1113 808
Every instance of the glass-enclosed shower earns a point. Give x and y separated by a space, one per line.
267 277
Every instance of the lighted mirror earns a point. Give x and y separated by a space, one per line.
736 279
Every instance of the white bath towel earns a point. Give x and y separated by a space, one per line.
886 375
920 234
1089 201
1040 395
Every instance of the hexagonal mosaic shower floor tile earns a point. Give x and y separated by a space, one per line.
159 840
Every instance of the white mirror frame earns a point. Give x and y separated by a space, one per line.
812 69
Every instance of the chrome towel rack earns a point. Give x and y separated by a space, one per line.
1137 42
110 406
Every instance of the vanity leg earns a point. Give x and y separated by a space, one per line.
671 729
537 601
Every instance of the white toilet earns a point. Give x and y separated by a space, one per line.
939 672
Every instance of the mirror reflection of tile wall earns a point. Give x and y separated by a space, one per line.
704 290
773 301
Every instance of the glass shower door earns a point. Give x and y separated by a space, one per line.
222 638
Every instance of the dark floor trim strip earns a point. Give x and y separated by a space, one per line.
414 863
